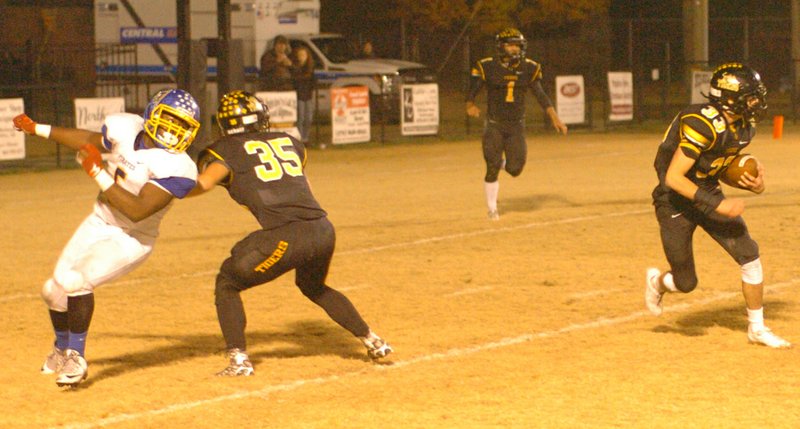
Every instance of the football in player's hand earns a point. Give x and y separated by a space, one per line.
741 164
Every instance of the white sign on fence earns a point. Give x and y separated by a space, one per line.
12 142
701 81
350 114
282 111
571 99
620 91
91 112
420 107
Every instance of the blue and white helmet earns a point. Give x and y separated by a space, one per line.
172 119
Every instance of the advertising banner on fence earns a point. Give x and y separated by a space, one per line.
420 107
571 99
620 91
350 114
701 81
282 111
12 142
91 112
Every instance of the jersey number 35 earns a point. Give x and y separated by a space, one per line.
275 159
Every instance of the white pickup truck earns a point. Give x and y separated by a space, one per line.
336 67
150 27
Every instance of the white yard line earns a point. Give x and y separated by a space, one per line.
495 230
448 354
469 291
17 296
593 293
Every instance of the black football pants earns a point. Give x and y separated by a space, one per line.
262 256
677 228
500 138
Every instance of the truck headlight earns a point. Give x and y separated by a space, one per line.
385 83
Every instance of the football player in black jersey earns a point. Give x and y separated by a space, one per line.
507 77
698 145
263 171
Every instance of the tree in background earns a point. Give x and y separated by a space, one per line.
432 31
487 17
482 19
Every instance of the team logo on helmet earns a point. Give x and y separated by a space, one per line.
729 82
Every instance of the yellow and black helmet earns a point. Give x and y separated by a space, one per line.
242 112
738 89
512 36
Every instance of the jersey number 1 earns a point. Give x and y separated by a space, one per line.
275 159
510 92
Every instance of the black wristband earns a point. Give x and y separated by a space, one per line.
707 201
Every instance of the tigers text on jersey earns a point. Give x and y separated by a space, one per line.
703 134
267 176
133 165
506 86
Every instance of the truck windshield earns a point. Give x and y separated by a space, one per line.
335 48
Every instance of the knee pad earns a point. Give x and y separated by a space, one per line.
515 170
684 282
225 288
72 282
312 292
752 272
492 173
54 296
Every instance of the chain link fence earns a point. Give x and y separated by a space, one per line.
651 48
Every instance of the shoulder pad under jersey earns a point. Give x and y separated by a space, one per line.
168 164
121 129
537 69
479 69
700 126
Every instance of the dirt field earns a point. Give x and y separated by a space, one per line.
535 321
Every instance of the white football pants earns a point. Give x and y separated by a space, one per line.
96 253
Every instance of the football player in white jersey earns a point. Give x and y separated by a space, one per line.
147 168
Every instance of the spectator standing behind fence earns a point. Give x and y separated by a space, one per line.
276 74
367 50
303 78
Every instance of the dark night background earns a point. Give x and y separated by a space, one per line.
653 24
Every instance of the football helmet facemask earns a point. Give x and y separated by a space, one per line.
242 112
736 88
510 36
172 119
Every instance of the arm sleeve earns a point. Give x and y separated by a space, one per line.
209 156
477 77
541 97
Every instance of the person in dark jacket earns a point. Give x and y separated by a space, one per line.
275 73
304 82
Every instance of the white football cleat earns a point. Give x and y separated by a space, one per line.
652 296
377 348
239 364
74 371
765 337
494 215
54 361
